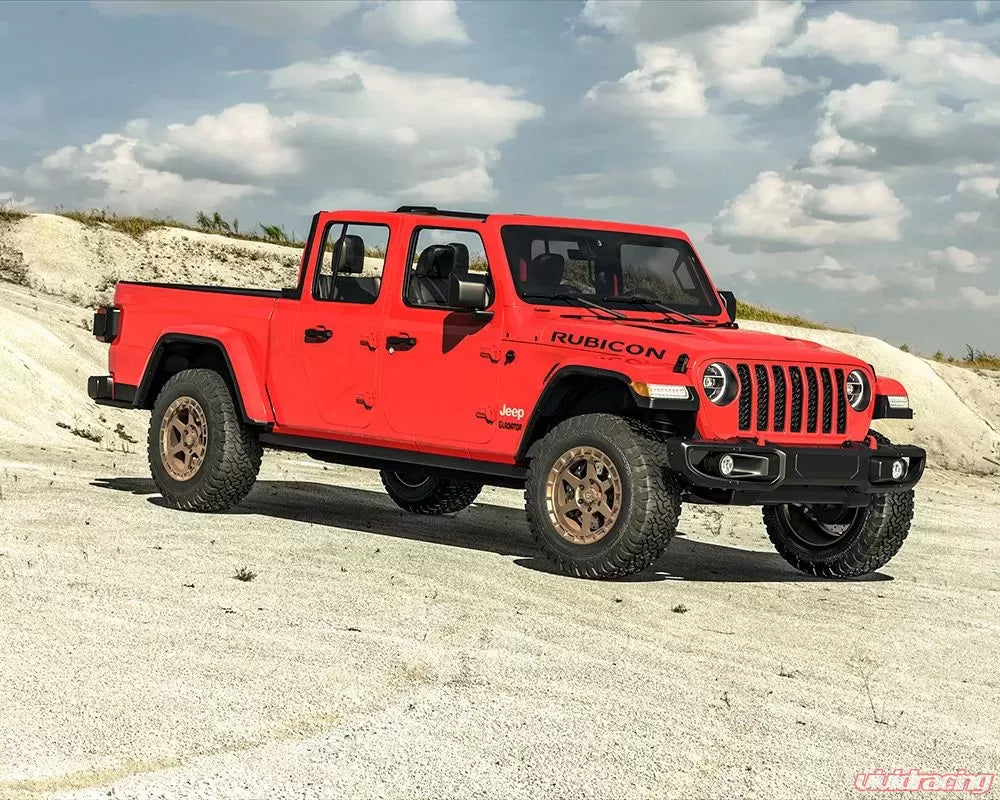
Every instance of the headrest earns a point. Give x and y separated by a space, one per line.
547 269
349 254
436 261
461 267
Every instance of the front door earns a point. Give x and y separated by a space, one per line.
327 353
441 366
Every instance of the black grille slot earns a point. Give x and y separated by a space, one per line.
841 403
795 375
779 397
746 395
763 396
813 407
827 400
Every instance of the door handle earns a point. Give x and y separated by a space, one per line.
318 335
401 342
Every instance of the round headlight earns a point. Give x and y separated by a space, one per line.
858 393
719 384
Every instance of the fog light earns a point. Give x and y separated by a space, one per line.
898 469
726 466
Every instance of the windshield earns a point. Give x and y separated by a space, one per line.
610 267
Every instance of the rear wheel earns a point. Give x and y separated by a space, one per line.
201 455
423 493
599 499
839 542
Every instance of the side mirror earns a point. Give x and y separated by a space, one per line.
468 295
730 300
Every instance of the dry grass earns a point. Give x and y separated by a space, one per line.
8 214
137 226
762 314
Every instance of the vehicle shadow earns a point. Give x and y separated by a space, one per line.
483 527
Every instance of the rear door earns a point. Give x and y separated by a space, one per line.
326 345
439 374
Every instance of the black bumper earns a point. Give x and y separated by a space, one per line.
105 392
770 474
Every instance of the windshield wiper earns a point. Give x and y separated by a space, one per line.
575 298
634 300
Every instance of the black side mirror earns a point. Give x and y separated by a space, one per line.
730 300
468 295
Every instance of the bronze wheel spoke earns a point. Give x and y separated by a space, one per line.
584 509
183 438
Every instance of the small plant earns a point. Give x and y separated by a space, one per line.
83 433
10 214
244 574
275 233
680 608
124 434
904 347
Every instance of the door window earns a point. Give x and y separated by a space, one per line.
351 263
439 253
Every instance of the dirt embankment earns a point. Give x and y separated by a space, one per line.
75 266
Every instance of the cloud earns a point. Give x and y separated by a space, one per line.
600 191
979 299
414 22
105 173
685 51
288 18
780 213
337 127
982 187
959 260
830 275
964 67
667 85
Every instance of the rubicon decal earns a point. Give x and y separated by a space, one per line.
610 345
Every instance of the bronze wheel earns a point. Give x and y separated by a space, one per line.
183 438
583 495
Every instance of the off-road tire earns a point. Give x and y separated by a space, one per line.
431 494
877 537
650 497
232 451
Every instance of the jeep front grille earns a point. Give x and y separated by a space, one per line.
777 397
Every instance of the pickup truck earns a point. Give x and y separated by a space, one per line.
593 364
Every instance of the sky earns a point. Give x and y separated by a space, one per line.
839 160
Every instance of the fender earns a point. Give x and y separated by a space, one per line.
236 351
885 388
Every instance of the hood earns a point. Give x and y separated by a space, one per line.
649 341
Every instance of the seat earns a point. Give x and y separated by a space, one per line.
428 285
348 261
545 274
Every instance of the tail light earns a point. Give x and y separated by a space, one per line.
107 323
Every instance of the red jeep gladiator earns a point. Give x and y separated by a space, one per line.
594 364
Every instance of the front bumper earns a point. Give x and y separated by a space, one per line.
105 392
769 474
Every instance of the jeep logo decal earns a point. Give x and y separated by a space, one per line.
611 345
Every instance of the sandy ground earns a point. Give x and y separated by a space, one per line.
379 654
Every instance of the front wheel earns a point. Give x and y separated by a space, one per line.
423 493
599 498
839 542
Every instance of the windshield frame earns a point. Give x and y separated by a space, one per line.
712 307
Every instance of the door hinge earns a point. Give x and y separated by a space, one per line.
367 400
370 340
494 354
487 413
